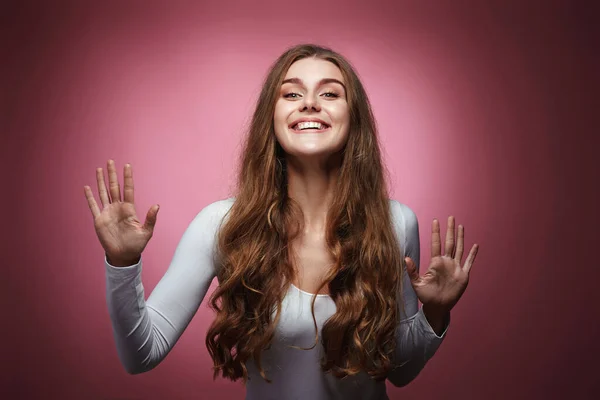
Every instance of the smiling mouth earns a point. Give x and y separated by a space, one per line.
301 128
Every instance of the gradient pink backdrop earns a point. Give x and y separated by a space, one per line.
485 112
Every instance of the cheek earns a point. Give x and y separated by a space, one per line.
281 114
280 118
341 113
277 115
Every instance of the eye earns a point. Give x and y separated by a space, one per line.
331 94
291 95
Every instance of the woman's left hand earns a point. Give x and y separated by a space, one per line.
446 280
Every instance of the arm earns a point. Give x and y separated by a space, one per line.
146 331
417 341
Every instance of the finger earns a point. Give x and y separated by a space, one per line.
102 188
411 269
435 238
471 258
113 182
460 244
128 184
91 201
150 222
449 250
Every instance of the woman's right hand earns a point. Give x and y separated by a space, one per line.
121 233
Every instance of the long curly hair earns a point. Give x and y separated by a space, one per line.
256 262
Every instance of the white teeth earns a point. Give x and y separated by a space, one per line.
310 125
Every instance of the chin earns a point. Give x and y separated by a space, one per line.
308 153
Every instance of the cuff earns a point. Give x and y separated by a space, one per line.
425 323
123 273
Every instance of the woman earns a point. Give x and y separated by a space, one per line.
314 301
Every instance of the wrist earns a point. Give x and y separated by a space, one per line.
437 318
122 262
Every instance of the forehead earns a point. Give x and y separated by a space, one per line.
311 70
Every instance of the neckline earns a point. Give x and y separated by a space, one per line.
309 294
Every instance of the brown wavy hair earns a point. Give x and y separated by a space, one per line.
256 262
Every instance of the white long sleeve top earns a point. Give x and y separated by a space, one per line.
146 330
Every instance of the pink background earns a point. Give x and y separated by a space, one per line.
485 111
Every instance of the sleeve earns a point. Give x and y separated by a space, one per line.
416 341
146 331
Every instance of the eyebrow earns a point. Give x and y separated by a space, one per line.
321 82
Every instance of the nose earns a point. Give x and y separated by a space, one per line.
310 103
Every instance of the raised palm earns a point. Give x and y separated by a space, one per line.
118 228
445 281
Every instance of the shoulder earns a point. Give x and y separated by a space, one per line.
217 209
211 216
402 215
405 224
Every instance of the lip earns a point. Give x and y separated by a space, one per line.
307 131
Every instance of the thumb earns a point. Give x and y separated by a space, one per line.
411 269
151 217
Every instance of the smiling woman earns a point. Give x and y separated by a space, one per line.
313 95
308 253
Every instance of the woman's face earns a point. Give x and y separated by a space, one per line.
311 114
